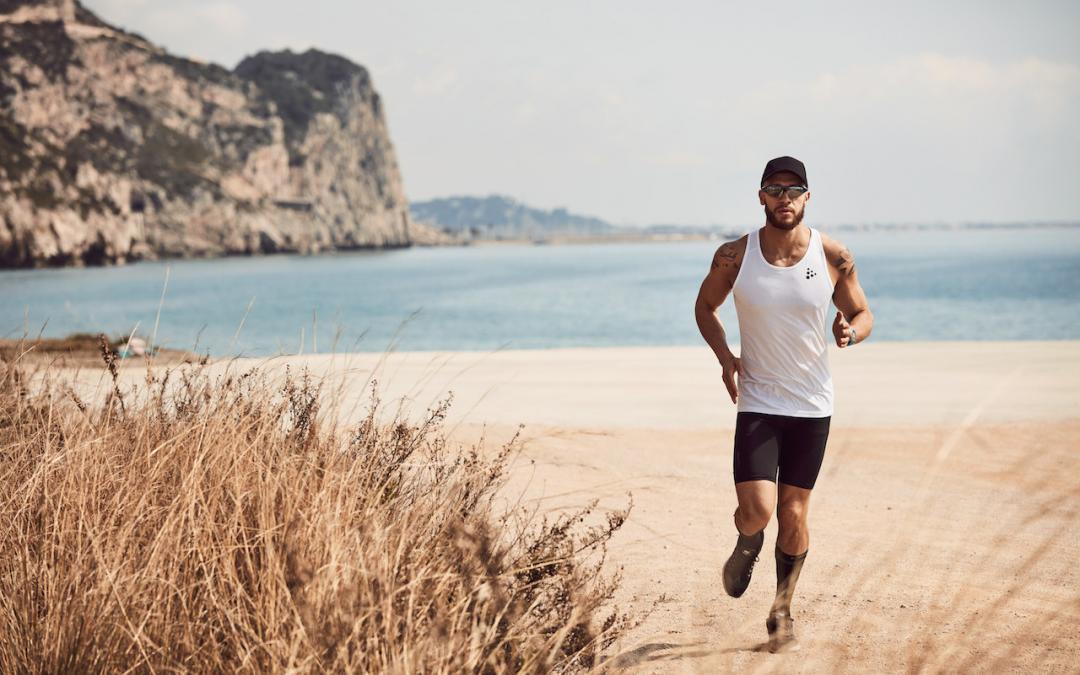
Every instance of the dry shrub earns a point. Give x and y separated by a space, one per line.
224 524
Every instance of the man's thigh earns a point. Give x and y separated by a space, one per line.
757 447
802 450
757 500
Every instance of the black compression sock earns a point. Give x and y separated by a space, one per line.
788 568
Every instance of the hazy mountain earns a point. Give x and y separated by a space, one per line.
500 217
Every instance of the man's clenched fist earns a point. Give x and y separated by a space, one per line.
841 330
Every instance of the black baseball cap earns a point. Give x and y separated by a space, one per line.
785 163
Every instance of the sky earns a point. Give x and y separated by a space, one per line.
649 112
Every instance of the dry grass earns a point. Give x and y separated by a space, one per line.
224 524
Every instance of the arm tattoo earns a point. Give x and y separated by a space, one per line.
846 262
725 256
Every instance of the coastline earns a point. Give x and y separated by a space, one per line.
926 384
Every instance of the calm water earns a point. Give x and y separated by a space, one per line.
930 285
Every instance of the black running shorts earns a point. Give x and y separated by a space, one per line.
767 443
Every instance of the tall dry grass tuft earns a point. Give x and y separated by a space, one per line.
225 524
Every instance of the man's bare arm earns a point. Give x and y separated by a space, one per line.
848 295
714 290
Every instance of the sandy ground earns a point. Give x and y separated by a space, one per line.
945 525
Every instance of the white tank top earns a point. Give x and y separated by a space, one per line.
783 345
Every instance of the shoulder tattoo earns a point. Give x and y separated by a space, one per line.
726 257
845 262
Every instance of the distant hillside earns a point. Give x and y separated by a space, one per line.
500 217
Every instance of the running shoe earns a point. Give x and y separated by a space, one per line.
781 629
740 565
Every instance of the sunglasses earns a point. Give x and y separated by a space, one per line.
793 191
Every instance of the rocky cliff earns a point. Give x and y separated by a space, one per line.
112 149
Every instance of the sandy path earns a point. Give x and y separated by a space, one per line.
972 563
944 526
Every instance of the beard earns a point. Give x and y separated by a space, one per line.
770 218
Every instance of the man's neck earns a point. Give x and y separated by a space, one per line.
785 242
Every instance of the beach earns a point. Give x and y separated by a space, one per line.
942 526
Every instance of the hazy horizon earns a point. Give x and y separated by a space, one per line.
976 224
637 114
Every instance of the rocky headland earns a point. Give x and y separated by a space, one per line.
112 149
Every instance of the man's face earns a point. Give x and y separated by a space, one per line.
784 212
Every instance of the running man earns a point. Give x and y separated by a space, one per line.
783 277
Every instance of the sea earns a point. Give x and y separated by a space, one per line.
922 284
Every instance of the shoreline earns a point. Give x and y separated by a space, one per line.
886 384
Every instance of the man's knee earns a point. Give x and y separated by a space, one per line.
792 515
754 515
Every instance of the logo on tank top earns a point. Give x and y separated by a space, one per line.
810 274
